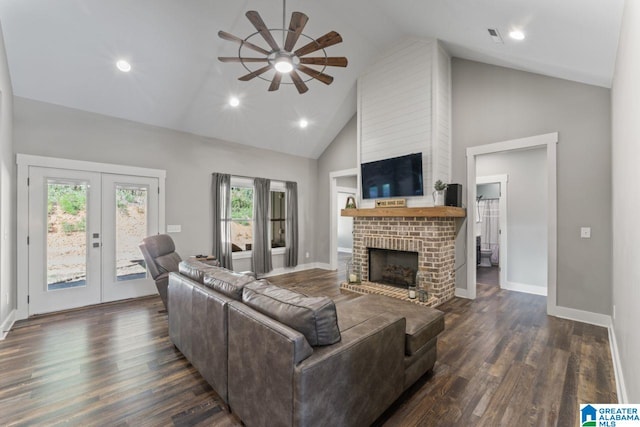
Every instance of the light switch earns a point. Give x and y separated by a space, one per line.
585 232
174 228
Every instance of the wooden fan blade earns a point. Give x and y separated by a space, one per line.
256 20
275 83
230 37
302 88
296 25
324 78
333 61
255 73
327 40
236 59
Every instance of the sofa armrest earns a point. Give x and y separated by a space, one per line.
198 327
352 382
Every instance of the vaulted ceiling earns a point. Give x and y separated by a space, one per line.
64 52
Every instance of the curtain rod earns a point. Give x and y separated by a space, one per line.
254 177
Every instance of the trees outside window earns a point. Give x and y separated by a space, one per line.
241 218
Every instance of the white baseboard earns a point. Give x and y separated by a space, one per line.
621 388
299 267
7 324
523 287
597 319
346 250
322 266
461 293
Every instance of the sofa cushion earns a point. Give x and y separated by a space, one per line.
227 282
168 263
314 317
195 269
423 323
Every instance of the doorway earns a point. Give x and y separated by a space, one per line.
548 142
82 231
344 181
490 213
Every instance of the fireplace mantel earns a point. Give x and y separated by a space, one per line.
435 212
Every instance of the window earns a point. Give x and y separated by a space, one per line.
242 214
278 217
241 218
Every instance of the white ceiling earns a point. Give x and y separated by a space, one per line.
64 51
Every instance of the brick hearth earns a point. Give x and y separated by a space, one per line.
432 238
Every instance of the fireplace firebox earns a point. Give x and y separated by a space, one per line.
392 267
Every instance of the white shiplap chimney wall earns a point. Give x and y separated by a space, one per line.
404 107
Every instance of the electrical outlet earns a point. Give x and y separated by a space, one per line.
585 232
306 255
614 312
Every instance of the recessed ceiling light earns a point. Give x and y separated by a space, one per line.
123 66
516 35
234 101
303 123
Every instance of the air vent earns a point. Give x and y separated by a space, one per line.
495 35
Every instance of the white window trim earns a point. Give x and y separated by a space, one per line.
241 254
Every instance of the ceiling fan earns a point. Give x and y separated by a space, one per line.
282 58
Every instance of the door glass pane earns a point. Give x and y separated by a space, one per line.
66 234
131 228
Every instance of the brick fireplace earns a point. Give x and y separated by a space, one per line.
432 238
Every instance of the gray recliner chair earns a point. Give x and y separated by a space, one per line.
160 255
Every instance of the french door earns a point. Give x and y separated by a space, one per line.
84 231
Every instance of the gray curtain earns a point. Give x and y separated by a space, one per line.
261 253
221 195
291 228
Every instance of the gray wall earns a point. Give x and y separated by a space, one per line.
7 188
492 104
526 212
347 181
50 130
626 199
339 155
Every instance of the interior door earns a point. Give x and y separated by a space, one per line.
64 239
130 213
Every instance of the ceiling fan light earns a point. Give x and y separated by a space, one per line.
283 65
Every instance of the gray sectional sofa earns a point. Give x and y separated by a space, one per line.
280 358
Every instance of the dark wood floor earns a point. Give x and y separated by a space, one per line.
501 361
488 275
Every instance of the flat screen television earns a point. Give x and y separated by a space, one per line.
395 177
